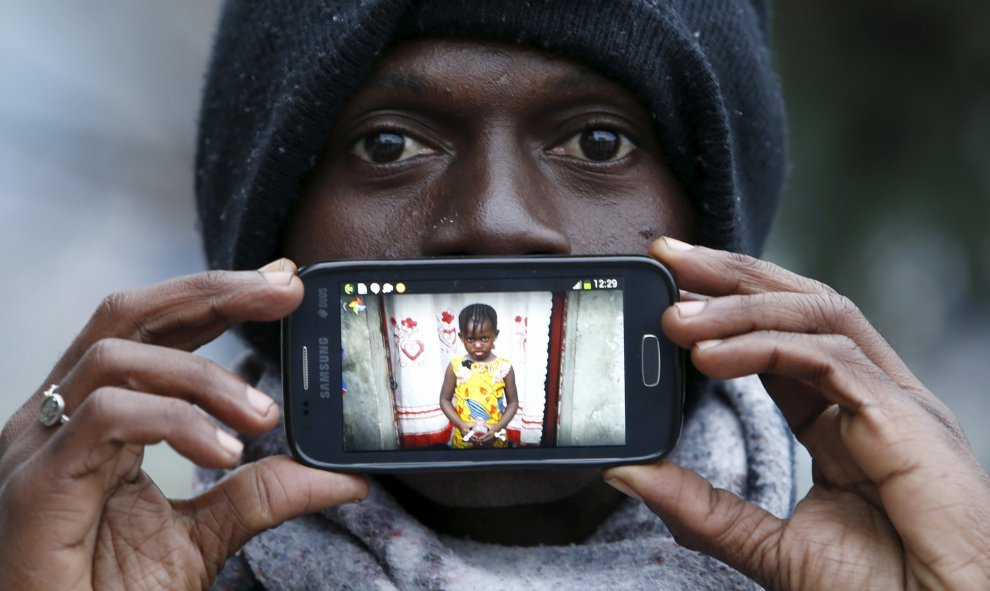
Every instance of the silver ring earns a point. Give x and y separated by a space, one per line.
52 408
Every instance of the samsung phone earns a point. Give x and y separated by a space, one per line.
384 369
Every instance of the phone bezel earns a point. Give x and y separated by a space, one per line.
648 436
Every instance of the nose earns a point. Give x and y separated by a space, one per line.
493 200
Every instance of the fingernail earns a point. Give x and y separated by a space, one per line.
259 401
844 418
278 272
675 244
706 345
686 309
278 277
230 443
623 488
282 264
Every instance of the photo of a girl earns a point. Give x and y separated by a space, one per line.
478 394
483 370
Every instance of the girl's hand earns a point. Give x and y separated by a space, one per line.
77 511
467 429
489 435
899 500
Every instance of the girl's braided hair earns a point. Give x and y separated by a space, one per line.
475 315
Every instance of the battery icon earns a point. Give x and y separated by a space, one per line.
586 285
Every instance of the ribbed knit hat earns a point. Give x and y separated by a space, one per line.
281 71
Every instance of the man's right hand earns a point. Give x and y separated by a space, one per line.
77 511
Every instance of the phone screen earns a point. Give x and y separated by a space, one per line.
475 363
559 343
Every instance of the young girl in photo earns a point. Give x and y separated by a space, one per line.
479 389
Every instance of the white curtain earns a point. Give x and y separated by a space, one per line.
424 338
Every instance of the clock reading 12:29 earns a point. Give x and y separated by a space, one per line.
609 283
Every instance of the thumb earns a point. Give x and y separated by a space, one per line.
260 496
703 518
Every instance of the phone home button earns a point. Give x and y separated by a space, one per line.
651 360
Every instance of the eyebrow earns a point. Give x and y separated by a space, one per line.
404 82
579 80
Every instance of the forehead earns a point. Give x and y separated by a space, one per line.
472 327
499 76
419 64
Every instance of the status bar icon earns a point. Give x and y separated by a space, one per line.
357 305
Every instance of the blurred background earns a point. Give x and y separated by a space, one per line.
888 196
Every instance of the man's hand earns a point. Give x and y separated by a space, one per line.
77 511
899 500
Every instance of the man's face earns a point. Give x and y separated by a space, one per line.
469 148
456 147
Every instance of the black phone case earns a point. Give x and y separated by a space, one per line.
314 424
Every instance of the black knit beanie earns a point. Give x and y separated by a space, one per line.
281 71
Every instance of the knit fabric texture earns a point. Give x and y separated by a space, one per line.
736 438
281 72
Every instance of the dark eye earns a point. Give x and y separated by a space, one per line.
381 147
598 145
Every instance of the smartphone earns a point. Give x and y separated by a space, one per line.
384 370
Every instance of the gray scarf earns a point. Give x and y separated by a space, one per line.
735 437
